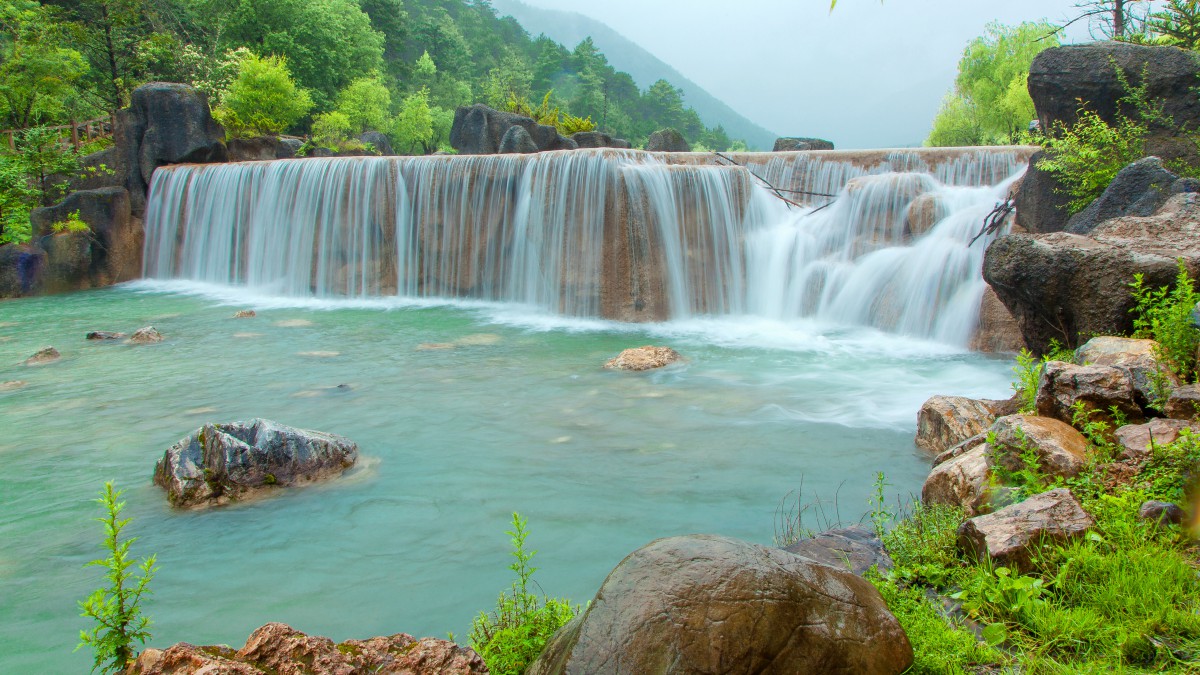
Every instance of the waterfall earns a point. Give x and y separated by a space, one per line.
876 238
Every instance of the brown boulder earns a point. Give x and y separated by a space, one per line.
1184 402
962 481
1098 388
962 448
43 356
1010 536
1136 356
998 332
281 650
856 548
146 336
946 421
1137 440
644 358
923 213
707 604
1061 450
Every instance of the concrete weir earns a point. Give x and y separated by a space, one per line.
618 234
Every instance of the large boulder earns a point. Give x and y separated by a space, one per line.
1059 448
1135 356
597 139
1137 441
1061 77
794 144
1140 189
479 130
279 648
1064 286
946 421
1100 390
165 124
517 141
963 481
258 149
857 548
667 140
109 253
998 331
1041 201
378 141
1184 402
1012 536
22 268
220 463
707 604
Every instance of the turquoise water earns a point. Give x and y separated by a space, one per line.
463 414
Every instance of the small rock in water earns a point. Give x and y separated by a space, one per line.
146 336
319 354
434 346
200 411
220 463
294 323
479 340
12 385
244 336
105 335
245 314
644 358
44 356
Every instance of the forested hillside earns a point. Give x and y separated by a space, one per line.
334 68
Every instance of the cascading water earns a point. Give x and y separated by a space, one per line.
618 234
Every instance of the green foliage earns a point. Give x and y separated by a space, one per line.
262 99
332 130
71 224
990 104
939 646
413 128
1098 427
42 153
38 75
1087 155
116 608
549 114
1172 469
511 638
924 545
1177 24
365 103
17 198
1165 316
880 514
1026 480
1028 372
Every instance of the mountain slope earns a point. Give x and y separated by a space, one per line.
569 28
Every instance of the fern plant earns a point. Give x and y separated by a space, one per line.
117 607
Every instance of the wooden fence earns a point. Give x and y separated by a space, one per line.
80 132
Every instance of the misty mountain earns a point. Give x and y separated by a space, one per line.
570 28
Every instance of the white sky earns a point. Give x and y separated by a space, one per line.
867 75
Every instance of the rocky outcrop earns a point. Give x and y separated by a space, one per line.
146 336
109 252
1137 441
220 463
998 331
1137 357
644 358
962 481
706 604
856 548
1060 449
517 141
597 139
1184 402
164 124
1140 189
280 649
1063 286
258 149
378 142
794 144
480 130
21 270
1061 77
1042 202
43 356
667 140
1099 389
945 421
1012 536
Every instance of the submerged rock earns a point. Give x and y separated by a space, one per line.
12 385
104 335
279 648
856 548
244 314
44 356
644 358
1011 536
146 336
707 604
220 463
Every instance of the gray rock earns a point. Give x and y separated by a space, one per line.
43 356
945 421
380 142
257 149
1011 536
479 130
220 463
1041 201
145 336
597 139
857 549
104 335
288 147
1140 189
111 252
517 141
667 140
1184 402
1163 513
1098 388
1138 440
706 604
794 144
22 268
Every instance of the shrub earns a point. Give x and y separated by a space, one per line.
365 103
72 223
262 99
511 638
116 608
1165 315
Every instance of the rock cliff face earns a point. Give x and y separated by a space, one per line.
480 130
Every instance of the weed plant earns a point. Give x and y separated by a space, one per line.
1165 316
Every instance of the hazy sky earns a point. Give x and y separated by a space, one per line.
867 75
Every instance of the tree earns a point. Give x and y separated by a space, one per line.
331 129
38 77
17 198
263 98
1178 24
413 127
510 79
365 103
990 104
46 162
1112 19
108 33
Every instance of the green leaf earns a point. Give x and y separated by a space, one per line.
994 634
